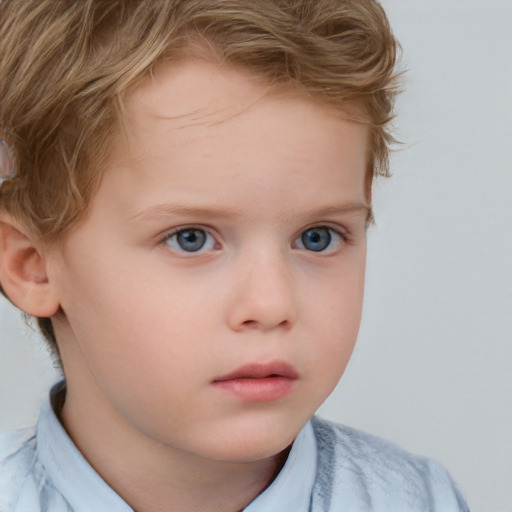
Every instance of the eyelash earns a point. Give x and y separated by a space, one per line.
341 237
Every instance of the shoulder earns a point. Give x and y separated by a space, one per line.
25 485
17 453
17 459
378 475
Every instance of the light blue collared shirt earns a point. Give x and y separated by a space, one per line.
330 468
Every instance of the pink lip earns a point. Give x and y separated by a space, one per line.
259 382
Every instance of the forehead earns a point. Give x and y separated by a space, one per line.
198 98
197 91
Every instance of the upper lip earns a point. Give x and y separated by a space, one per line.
261 371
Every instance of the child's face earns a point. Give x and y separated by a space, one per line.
226 242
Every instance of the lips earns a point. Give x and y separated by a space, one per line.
259 382
261 371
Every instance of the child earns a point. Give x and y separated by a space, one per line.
187 186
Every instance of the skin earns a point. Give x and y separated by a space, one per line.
145 328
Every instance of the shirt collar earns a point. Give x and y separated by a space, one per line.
85 490
70 473
291 490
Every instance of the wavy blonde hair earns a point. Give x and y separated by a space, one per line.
65 66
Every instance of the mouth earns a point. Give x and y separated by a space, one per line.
259 382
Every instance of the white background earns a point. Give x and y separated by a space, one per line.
432 369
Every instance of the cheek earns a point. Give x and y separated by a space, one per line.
140 341
336 315
156 327
334 343
337 296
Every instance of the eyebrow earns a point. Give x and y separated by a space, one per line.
187 210
351 208
170 209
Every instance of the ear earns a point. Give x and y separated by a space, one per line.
23 271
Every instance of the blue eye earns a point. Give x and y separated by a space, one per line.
193 240
319 239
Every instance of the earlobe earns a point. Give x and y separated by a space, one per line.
23 272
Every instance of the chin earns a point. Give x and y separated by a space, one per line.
252 441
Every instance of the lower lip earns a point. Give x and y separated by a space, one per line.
267 389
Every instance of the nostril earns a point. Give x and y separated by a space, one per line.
251 324
254 324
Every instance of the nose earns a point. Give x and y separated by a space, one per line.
263 295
